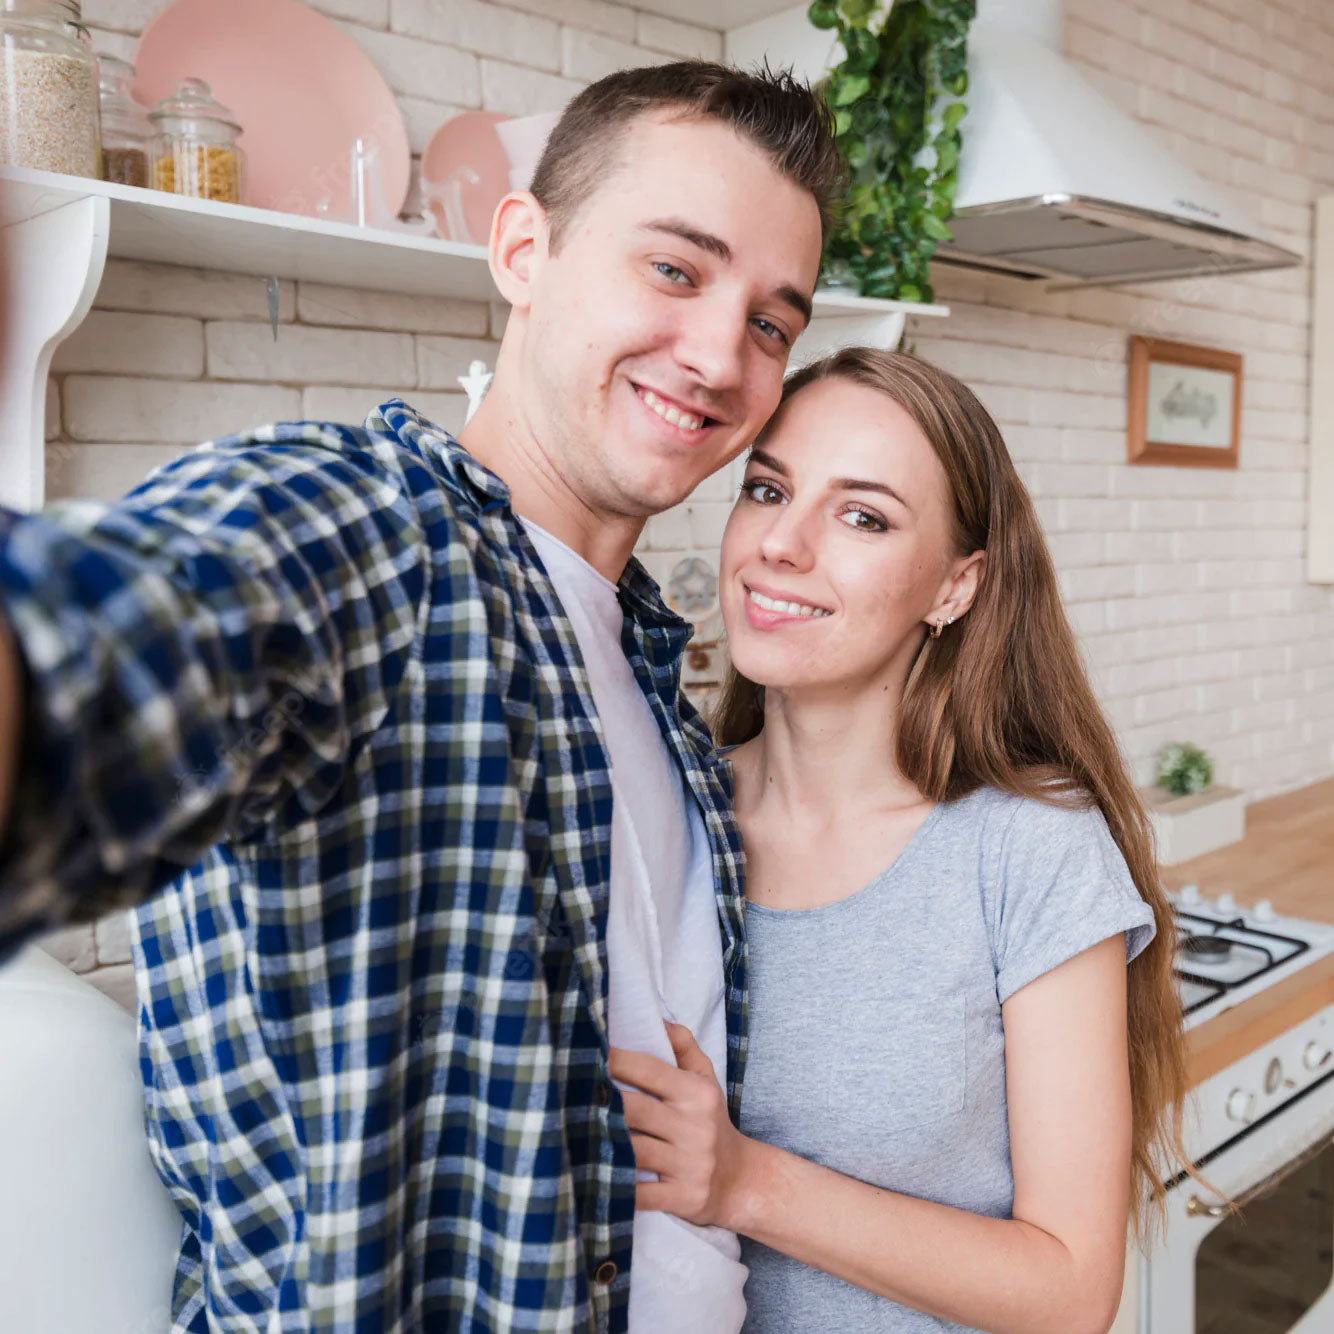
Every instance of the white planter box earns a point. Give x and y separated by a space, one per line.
1186 827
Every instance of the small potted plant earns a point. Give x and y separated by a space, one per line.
1190 815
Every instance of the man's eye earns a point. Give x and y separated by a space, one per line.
761 492
771 330
667 270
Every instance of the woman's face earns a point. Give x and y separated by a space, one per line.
844 512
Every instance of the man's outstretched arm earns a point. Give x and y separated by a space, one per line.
208 651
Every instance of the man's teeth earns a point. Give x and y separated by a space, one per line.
787 608
672 414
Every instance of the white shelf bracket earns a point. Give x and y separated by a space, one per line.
828 333
53 268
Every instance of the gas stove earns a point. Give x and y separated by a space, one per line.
1226 954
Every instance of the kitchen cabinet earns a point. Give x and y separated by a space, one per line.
59 230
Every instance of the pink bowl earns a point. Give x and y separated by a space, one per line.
467 150
302 90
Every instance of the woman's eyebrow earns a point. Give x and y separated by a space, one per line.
836 483
880 488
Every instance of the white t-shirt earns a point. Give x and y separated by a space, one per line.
664 945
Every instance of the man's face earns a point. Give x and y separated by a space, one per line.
659 331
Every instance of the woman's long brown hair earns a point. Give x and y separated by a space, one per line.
1002 698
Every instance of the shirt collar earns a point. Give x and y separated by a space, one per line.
639 593
475 483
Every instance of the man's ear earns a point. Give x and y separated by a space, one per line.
518 245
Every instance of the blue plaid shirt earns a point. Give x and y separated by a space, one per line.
316 683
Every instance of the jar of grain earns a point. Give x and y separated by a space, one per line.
125 127
48 88
194 150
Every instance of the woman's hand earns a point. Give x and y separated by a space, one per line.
680 1129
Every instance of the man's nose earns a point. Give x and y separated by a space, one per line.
711 344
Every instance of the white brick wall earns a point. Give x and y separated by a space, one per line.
1185 585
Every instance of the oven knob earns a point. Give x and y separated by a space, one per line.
1226 903
1240 1105
1264 911
1315 1056
1273 1075
1190 893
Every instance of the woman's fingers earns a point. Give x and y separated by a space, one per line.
647 1073
647 1115
655 1195
653 1155
689 1054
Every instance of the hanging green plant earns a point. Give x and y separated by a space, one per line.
897 103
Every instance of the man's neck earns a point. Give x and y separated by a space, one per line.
498 440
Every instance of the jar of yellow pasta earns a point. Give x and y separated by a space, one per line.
194 150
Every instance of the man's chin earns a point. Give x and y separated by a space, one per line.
645 497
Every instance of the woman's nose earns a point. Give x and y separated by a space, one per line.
787 540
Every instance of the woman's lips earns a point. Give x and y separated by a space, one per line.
766 618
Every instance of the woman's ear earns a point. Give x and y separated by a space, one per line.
518 245
958 592
968 579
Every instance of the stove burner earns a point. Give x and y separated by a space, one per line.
1207 948
1210 965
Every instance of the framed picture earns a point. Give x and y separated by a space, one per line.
1185 404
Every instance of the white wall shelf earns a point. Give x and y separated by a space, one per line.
59 231
199 233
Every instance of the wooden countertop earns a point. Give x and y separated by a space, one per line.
1287 857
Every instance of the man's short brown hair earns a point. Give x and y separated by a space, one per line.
775 111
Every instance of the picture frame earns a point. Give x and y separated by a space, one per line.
1185 404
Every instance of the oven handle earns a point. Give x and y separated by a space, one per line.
1198 1208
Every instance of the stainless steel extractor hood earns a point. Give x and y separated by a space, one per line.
1056 183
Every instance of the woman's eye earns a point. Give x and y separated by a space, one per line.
667 270
762 493
865 521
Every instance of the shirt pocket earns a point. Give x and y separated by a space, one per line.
910 1071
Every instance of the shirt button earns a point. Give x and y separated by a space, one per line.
606 1271
602 1093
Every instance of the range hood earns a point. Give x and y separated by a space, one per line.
1055 182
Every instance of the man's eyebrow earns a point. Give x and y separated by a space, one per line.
715 245
767 460
798 300
719 249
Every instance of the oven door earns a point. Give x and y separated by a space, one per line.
1267 1269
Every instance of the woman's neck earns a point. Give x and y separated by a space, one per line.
819 764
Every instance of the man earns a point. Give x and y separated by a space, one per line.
397 715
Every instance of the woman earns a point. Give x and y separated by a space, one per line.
955 1087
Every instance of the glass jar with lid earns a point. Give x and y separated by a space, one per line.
194 150
125 128
48 88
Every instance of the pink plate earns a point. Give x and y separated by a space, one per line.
301 89
468 145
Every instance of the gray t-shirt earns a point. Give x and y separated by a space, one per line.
875 1039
